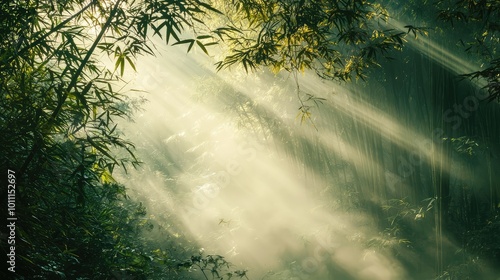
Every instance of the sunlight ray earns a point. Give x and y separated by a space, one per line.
221 201
439 53
377 120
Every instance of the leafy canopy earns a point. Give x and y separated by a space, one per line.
338 39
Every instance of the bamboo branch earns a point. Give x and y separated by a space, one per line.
71 85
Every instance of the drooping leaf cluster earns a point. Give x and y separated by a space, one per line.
338 39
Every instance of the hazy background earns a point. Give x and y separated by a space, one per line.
229 166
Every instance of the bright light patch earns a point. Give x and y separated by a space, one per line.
222 163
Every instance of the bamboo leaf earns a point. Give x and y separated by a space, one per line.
101 149
122 65
201 37
131 62
190 41
200 44
209 7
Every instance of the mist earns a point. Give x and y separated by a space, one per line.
231 168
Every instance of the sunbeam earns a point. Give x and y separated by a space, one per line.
250 139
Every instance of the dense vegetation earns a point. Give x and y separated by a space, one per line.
59 133
60 102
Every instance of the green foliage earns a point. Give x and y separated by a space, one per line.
482 18
465 145
90 241
401 233
417 30
59 104
306 105
484 241
400 209
466 270
338 39
491 75
213 266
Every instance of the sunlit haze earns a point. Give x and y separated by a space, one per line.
229 165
